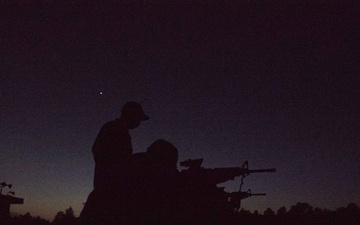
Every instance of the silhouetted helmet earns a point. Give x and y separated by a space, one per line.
134 109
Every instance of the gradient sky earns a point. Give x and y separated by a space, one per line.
274 84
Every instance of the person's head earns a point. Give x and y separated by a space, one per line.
163 154
132 114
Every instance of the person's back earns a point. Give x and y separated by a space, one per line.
112 152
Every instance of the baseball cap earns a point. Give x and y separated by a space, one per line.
133 108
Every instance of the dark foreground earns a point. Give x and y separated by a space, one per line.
299 214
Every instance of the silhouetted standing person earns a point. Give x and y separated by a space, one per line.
112 151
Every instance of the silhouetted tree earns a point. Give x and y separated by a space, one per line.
269 212
39 221
59 218
268 217
70 218
67 218
301 209
299 214
353 208
281 211
317 211
349 215
26 219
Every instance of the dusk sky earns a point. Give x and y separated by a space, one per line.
277 85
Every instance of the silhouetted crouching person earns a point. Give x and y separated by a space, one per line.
166 197
162 196
154 175
112 151
157 175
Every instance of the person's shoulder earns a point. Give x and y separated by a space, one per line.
113 125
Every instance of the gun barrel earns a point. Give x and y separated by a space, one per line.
272 170
259 194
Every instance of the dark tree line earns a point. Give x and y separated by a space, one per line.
299 214
303 214
61 218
